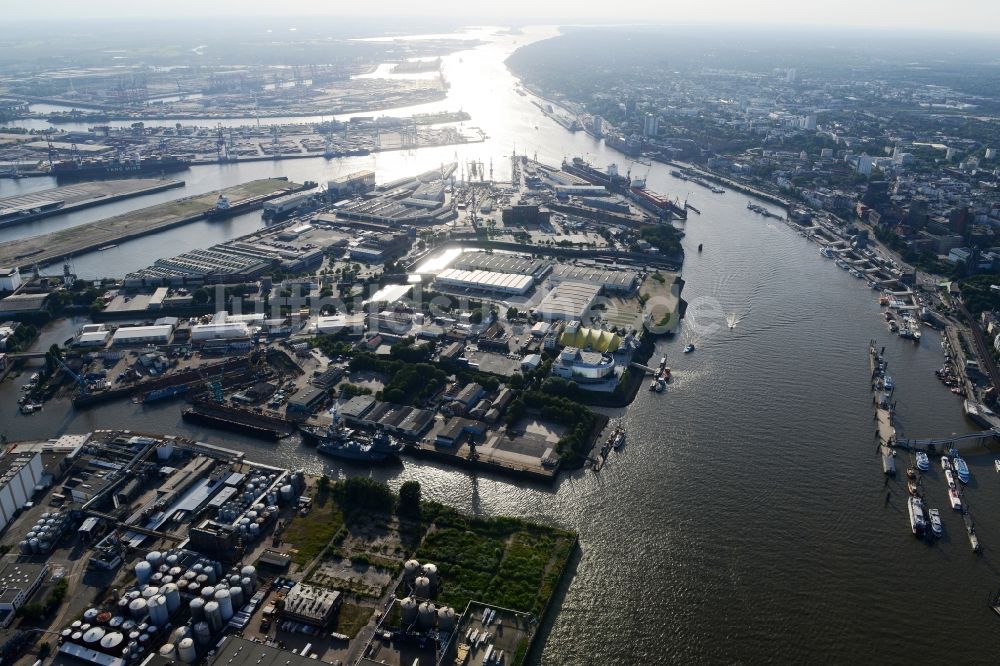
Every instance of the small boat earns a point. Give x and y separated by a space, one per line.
936 526
923 462
689 348
911 487
956 501
911 473
950 478
916 509
619 439
962 470
700 246
946 463
888 384
996 464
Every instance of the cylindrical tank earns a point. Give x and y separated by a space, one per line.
173 595
33 543
77 636
103 617
202 579
198 568
247 585
287 493
156 579
225 604
430 571
408 609
149 592
198 608
213 616
446 618
175 571
194 589
128 625
186 651
157 607
179 634
154 557
116 621
411 570
143 570
24 547
182 585
234 579
112 640
167 578
172 560
237 594
137 608
202 632
133 635
249 572
426 615
208 592
190 575
65 633
422 586
168 651
93 635
90 615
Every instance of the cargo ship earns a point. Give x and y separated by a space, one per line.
657 204
98 169
225 209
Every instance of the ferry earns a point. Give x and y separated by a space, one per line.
956 501
923 462
936 526
962 470
689 348
917 523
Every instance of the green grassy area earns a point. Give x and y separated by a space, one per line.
311 533
501 561
352 618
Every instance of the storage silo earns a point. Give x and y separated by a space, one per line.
213 616
234 579
247 585
24 547
426 615
202 579
202 632
164 451
173 595
137 608
208 592
225 604
90 615
287 493
212 576
197 607
155 558
156 579
143 570
430 571
410 571
408 610
149 592
422 586
93 636
179 634
168 651
186 651
236 593
158 613
446 618
249 572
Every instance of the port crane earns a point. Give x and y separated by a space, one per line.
69 371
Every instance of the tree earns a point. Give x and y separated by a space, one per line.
200 296
323 484
409 498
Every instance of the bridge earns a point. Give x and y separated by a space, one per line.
927 444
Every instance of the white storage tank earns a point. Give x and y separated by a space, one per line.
179 634
213 616
164 451
137 608
186 651
157 607
225 604
173 595
112 640
207 592
422 586
168 651
93 635
197 608
430 571
411 570
446 618
149 592
90 614
408 610
247 585
249 572
143 570
155 558
426 615
287 493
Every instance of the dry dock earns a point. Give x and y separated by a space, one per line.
86 237
58 200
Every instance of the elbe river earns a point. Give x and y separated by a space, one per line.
746 518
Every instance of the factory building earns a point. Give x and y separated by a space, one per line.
285 205
501 262
18 581
307 400
358 182
611 280
142 335
487 281
311 605
93 335
568 300
19 474
526 214
219 331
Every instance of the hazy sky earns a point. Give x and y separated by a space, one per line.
971 15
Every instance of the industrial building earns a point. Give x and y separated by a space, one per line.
10 279
353 183
583 366
19 475
611 280
142 335
219 331
238 651
311 605
285 205
488 281
93 335
18 581
501 262
568 300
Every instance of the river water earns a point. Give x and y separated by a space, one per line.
746 519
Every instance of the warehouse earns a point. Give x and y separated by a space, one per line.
93 335
20 475
219 331
284 205
500 262
611 280
485 281
568 300
142 335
